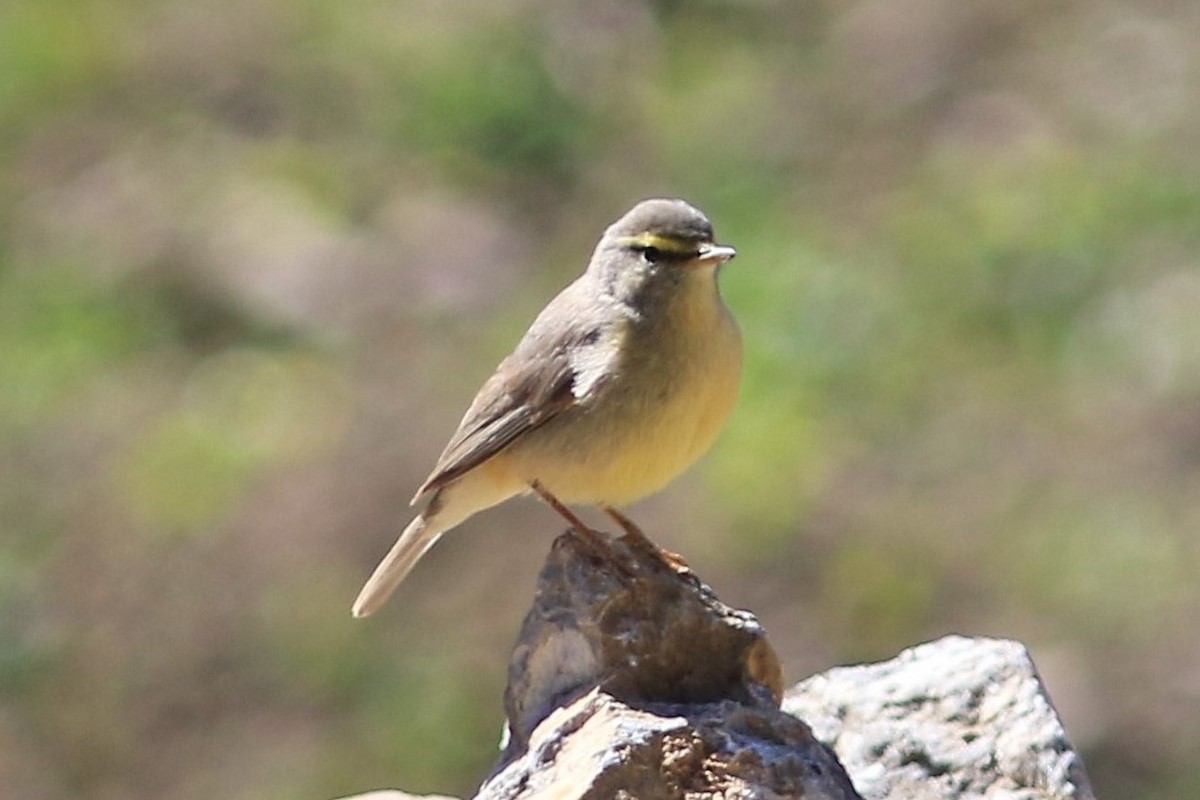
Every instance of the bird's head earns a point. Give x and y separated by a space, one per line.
657 242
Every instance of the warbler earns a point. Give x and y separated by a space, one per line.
620 384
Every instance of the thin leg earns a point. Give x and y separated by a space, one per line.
625 522
674 560
566 513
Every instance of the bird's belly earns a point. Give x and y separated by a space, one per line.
645 434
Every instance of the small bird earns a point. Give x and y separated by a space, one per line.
620 384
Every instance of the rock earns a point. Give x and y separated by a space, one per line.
599 748
624 616
957 718
631 680
392 794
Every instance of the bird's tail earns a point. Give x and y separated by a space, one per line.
420 535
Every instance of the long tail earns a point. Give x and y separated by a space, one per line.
418 537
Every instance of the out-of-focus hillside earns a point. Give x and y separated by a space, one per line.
255 258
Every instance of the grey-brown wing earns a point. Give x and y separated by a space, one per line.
532 386
504 410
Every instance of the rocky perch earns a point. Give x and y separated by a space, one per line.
630 679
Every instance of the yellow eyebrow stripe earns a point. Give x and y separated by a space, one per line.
666 244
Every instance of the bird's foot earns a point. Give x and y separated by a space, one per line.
637 537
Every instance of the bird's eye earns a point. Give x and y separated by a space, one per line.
652 255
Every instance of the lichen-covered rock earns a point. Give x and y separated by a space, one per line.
955 719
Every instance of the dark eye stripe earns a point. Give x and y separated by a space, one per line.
657 256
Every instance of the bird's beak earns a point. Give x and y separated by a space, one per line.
715 252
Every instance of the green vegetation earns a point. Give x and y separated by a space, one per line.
254 258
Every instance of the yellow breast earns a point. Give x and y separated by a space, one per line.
672 390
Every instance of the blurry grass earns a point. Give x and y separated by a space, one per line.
53 54
971 366
242 412
57 333
1015 250
1073 557
487 108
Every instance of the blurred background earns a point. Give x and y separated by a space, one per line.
257 255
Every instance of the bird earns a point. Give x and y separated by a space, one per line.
620 384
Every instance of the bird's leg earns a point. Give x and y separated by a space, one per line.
565 512
558 506
625 522
673 559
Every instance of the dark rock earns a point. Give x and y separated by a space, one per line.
631 679
637 623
